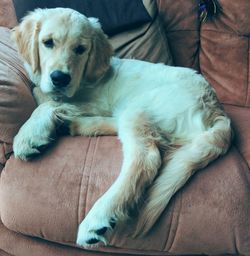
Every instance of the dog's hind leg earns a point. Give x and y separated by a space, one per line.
141 162
181 164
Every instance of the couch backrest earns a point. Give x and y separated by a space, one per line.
224 52
182 27
218 47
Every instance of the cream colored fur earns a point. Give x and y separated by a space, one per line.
168 118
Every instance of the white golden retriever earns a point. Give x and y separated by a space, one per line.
168 119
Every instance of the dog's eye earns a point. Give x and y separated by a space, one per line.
49 43
80 49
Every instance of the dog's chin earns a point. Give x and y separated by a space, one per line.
55 92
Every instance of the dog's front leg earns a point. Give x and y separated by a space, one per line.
39 130
93 126
141 162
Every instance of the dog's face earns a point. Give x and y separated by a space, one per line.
62 49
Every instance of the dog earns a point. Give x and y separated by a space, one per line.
168 119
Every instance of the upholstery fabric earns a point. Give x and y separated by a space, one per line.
16 100
181 23
240 121
147 42
12 243
49 196
7 14
226 65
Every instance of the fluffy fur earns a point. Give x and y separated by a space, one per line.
168 118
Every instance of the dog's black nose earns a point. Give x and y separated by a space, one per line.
60 79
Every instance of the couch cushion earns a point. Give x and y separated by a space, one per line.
241 123
147 42
16 101
12 243
224 55
181 25
49 196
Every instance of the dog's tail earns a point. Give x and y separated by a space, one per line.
180 165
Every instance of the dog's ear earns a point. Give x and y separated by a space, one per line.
99 55
26 37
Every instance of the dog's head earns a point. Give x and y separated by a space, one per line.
62 49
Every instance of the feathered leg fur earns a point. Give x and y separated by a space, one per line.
181 164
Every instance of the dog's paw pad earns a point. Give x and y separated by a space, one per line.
92 241
101 231
90 235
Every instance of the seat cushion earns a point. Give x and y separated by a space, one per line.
12 243
50 195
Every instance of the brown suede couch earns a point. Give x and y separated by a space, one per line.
43 201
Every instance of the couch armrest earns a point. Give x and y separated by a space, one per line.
16 100
7 14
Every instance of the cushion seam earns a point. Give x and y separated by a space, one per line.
80 188
176 224
92 161
224 32
247 89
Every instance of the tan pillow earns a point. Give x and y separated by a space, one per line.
147 42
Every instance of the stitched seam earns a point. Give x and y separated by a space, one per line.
19 73
92 160
177 224
241 155
80 188
6 253
182 30
246 100
169 231
205 30
234 105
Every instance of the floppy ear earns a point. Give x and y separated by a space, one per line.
99 55
26 37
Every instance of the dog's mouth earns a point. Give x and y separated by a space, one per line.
57 95
62 92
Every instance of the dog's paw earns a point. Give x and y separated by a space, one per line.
28 143
95 228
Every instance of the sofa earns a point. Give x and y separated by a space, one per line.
42 201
